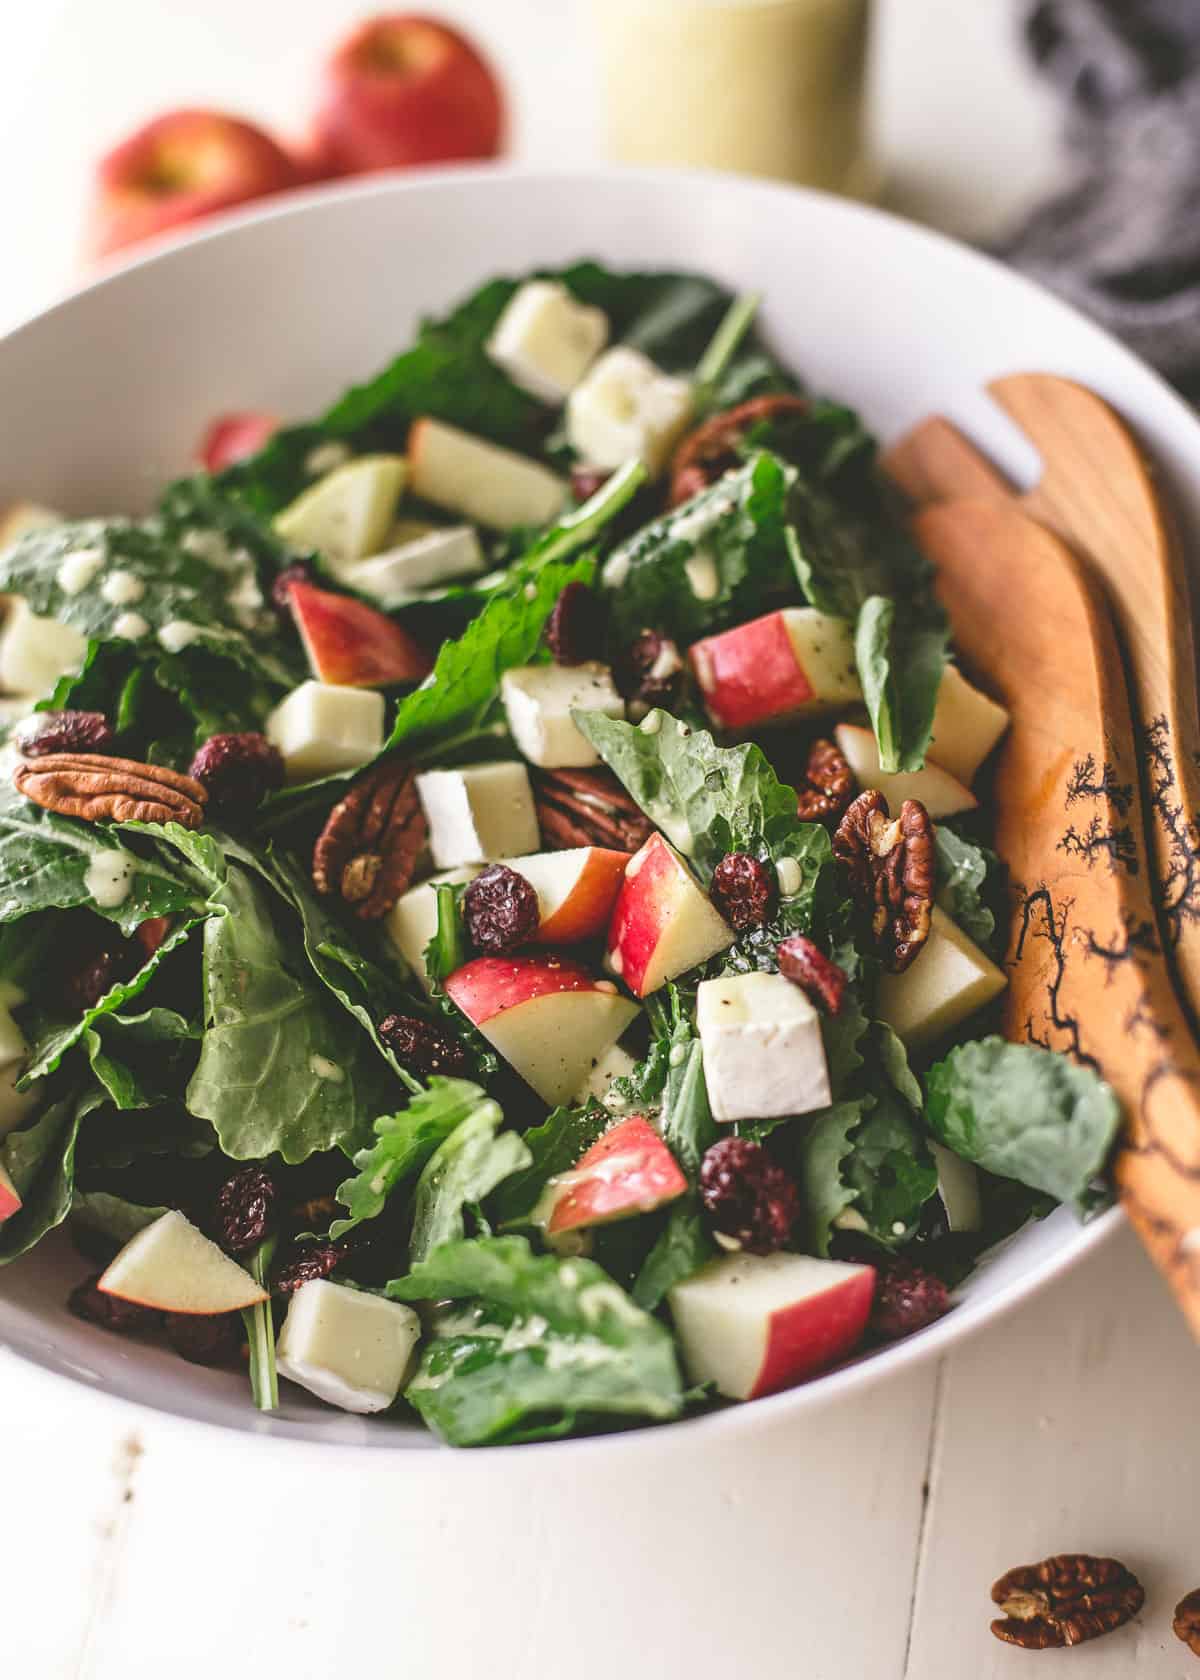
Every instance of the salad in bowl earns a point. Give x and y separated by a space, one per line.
496 914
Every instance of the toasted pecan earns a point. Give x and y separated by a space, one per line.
102 789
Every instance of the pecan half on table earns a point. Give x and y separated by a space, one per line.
587 808
828 785
101 789
1187 1621
889 865
1065 1600
368 850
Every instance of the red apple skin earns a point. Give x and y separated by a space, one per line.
353 645
815 1333
749 674
488 986
177 168
235 437
404 89
586 912
600 1191
10 1201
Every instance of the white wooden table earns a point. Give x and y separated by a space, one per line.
852 1544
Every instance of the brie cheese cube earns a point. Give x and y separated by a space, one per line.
348 513
538 700
480 480
763 1052
615 1063
323 727
388 578
950 979
479 812
20 517
35 652
412 922
545 340
626 408
347 1347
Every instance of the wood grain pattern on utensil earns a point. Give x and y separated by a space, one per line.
1086 969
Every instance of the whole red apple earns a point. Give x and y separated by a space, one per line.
181 166
404 89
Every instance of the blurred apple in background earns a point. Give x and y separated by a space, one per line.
405 89
234 437
182 165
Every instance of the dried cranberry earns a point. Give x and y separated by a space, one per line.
649 672
109 1311
807 966
87 974
307 1261
281 589
907 1298
748 1197
205 1338
244 1211
585 480
743 890
238 771
73 732
423 1048
500 909
573 628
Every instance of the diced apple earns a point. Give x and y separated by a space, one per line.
627 409
797 662
348 1347
479 813
764 1056
937 789
15 1106
351 645
538 701
547 1016
36 652
10 1201
435 556
662 923
615 1063
20 517
320 728
235 437
546 340
628 1171
347 514
756 1323
966 726
173 1266
948 981
958 1187
413 922
576 890
480 480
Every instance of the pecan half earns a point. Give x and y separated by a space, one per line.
1187 1621
1064 1600
97 789
889 864
828 785
711 449
587 808
368 850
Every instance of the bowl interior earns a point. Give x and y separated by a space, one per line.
102 398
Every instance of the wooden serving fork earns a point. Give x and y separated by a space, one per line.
1086 968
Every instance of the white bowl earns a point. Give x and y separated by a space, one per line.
103 396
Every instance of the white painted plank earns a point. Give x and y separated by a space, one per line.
1071 1427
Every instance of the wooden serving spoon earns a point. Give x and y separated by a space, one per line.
1097 492
1086 969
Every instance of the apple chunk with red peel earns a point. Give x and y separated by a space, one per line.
234 437
755 1323
10 1201
941 795
173 1266
797 662
576 890
548 1016
628 1171
662 923
350 644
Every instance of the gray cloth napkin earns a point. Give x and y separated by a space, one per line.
1122 241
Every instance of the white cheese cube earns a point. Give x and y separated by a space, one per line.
20 517
412 923
545 340
451 551
36 652
347 1347
763 1052
480 480
949 980
615 1063
479 812
626 408
348 513
538 700
323 727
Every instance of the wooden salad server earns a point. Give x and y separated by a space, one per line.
1097 492
1086 968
